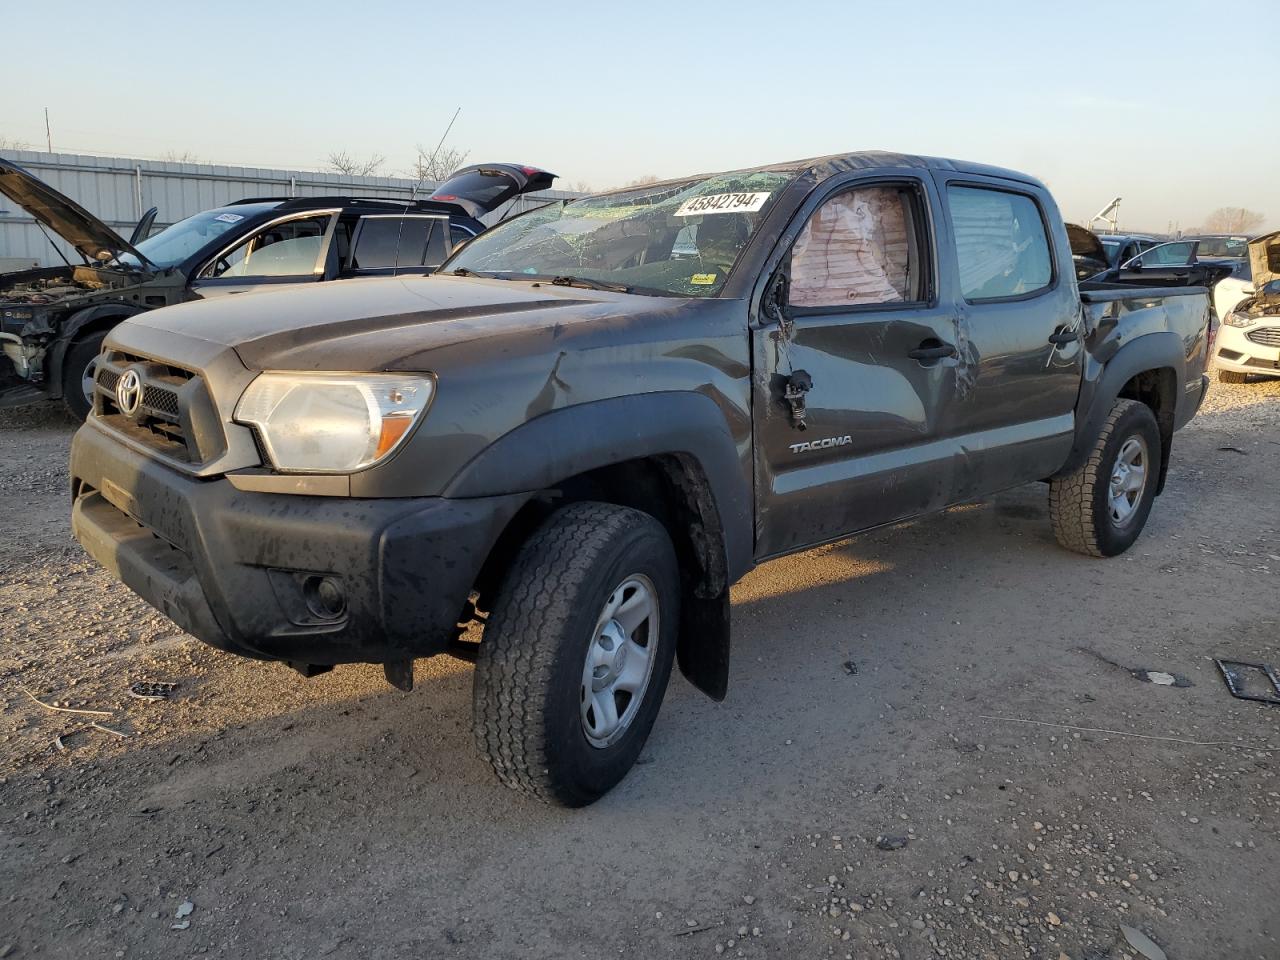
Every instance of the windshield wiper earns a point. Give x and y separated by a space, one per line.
483 274
591 284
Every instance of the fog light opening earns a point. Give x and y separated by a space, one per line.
325 597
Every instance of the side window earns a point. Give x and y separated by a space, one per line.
858 249
1177 254
459 235
289 249
1001 243
394 241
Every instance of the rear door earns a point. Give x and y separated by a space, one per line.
1019 325
289 250
392 243
864 324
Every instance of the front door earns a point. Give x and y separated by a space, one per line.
860 339
289 250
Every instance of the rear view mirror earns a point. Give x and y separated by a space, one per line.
1134 264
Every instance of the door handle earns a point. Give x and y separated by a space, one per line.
1062 337
937 351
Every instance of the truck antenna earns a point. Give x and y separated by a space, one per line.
413 196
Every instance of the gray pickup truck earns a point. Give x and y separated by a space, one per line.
601 414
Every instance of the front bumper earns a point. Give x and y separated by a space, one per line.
236 568
1235 351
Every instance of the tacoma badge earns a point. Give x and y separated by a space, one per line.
822 444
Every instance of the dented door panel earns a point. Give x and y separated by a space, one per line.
874 413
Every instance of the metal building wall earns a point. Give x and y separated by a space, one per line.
118 190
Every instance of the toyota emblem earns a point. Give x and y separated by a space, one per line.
129 393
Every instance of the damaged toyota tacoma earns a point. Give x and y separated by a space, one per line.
53 319
556 454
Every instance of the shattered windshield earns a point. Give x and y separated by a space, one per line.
174 244
678 239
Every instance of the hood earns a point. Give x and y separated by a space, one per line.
379 323
1264 259
93 239
1087 252
1085 243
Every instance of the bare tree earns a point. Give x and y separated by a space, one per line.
577 186
644 181
180 156
1232 220
10 143
438 166
343 162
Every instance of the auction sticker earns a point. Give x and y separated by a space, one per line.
229 217
722 203
703 279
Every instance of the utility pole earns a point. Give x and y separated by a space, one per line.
48 134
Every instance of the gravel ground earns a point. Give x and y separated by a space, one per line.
934 745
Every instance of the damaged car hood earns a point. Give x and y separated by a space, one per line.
94 240
374 324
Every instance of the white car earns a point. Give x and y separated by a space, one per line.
1249 339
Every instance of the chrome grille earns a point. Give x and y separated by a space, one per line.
1267 336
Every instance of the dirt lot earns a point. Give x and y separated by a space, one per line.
910 684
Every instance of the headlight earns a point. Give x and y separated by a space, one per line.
1238 320
332 422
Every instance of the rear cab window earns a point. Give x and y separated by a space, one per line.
1002 244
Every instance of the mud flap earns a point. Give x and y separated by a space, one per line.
702 650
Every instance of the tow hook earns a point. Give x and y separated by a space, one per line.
797 385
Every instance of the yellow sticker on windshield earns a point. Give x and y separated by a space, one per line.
703 279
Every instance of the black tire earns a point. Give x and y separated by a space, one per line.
79 359
529 672
1080 503
1232 376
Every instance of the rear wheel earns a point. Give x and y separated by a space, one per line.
1232 376
577 652
77 374
1101 508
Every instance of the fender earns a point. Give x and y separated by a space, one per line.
71 328
572 440
1151 351
543 452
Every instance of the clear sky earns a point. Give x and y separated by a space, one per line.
1172 106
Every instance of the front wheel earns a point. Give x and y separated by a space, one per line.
577 652
78 368
1100 509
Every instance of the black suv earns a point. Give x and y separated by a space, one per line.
53 320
